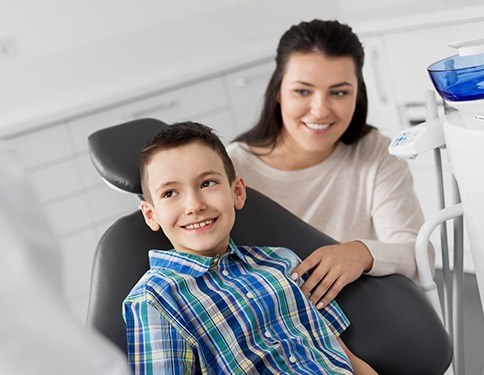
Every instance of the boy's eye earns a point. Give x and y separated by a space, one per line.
168 194
208 183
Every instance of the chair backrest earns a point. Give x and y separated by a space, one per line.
393 326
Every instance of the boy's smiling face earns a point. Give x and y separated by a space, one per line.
193 201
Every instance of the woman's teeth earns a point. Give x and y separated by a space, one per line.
314 126
199 225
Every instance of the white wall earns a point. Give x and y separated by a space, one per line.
34 28
357 10
43 27
70 53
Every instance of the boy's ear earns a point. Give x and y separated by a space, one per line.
149 215
240 194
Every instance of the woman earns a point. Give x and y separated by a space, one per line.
313 152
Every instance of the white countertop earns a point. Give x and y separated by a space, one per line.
41 92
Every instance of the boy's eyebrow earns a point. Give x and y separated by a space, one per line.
165 184
344 83
207 173
201 175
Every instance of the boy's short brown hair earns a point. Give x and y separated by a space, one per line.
180 134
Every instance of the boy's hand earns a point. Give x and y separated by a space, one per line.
332 268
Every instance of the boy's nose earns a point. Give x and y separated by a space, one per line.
194 204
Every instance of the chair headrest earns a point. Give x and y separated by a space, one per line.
114 151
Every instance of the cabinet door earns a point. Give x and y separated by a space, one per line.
83 127
41 147
382 110
78 212
185 103
221 123
425 186
246 91
56 181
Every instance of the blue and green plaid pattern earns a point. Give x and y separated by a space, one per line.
241 314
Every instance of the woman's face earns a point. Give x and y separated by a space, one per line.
318 98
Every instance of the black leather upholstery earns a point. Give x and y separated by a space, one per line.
114 152
393 326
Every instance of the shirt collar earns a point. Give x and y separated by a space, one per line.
189 264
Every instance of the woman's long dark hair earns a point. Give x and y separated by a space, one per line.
330 38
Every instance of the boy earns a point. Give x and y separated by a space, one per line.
209 306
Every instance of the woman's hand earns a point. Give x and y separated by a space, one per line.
333 267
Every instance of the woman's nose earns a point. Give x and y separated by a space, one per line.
194 204
320 106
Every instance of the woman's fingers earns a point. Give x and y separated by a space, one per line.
322 297
333 267
324 278
307 264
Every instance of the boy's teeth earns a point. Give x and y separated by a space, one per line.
315 126
199 225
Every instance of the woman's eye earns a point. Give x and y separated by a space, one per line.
339 93
208 183
302 92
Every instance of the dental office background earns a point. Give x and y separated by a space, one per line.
71 67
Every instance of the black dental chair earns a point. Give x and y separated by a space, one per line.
393 326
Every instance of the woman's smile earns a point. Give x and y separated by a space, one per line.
318 126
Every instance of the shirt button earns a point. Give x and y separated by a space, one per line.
250 295
292 359
267 334
225 272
